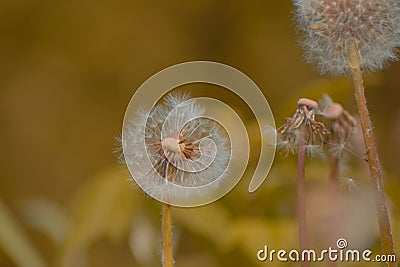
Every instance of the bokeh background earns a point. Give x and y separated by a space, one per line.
67 72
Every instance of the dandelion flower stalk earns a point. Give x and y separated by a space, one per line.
166 230
342 125
172 150
167 256
372 155
301 192
307 134
349 36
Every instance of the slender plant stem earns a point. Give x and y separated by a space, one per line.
167 258
301 193
333 183
372 155
166 230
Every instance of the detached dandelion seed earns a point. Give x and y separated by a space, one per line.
348 184
314 151
182 147
117 150
355 36
286 146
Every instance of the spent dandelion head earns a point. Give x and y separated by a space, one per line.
331 27
183 147
304 116
342 125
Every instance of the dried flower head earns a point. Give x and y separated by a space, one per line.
183 147
341 124
334 111
304 116
332 26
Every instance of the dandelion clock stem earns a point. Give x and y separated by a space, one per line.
166 230
301 193
372 155
334 180
167 258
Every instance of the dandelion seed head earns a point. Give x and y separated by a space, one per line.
303 117
307 102
330 27
178 145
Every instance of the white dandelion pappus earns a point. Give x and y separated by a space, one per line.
331 26
199 156
348 184
184 147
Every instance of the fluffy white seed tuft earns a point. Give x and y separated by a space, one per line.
331 26
194 155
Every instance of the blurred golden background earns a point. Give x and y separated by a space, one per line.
68 70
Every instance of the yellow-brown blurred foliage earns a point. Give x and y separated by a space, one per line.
67 72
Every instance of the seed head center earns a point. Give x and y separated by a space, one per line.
172 145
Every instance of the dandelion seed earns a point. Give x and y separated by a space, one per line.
348 184
339 150
117 150
315 151
286 147
329 28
